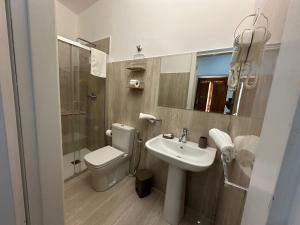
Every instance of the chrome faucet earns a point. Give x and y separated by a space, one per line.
184 135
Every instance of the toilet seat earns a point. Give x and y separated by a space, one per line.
103 156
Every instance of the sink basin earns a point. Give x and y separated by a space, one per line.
181 157
187 156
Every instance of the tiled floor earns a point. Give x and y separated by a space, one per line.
119 205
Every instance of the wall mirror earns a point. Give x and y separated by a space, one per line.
197 81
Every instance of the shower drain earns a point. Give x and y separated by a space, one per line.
75 162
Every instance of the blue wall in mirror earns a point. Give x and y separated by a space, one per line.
213 65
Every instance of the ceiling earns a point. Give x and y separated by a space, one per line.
77 6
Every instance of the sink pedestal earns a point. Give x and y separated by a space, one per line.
175 195
181 157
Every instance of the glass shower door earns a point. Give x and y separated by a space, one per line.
79 109
73 98
66 105
82 100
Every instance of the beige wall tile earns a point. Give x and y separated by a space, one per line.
205 192
124 105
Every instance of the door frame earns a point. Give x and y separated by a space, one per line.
11 190
277 124
36 67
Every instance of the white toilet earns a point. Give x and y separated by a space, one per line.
110 164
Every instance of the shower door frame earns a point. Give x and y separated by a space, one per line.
66 40
76 152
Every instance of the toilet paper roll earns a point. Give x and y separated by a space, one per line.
134 83
108 133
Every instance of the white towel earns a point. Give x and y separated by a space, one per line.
98 63
245 148
223 142
247 142
248 48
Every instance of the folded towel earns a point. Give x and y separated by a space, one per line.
223 142
98 63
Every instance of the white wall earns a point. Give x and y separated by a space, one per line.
45 86
277 123
7 205
7 211
294 215
9 146
66 21
276 11
35 55
163 27
176 64
286 188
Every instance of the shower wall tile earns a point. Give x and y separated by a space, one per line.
71 82
96 113
103 45
83 119
67 132
73 132
65 77
80 134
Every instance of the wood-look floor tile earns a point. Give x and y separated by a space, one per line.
119 205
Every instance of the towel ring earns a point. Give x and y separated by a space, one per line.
226 177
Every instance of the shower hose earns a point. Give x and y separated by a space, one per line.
136 156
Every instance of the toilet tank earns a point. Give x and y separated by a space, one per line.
122 137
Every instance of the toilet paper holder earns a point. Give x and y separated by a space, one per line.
135 84
108 133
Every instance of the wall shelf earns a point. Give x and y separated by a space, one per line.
137 66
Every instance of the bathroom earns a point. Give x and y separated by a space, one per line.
207 200
153 123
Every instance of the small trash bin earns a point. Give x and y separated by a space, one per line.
143 182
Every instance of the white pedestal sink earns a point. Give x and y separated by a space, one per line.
181 157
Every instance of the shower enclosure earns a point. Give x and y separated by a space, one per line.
82 101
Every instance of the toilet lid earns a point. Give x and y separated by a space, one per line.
102 156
